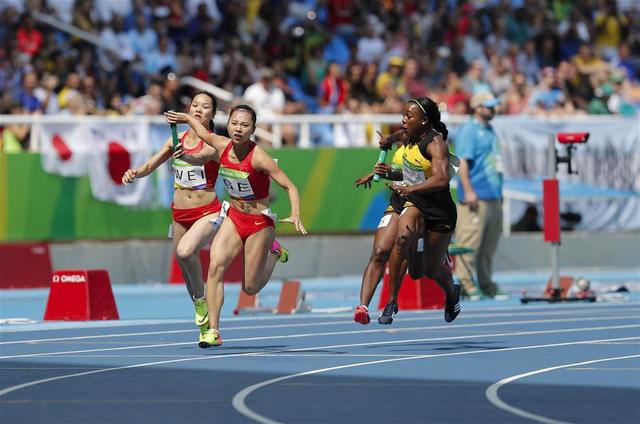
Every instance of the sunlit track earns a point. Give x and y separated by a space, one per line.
468 308
401 318
494 398
258 353
239 400
332 333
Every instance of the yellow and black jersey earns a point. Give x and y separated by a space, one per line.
438 207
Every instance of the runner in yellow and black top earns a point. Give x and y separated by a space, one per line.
426 173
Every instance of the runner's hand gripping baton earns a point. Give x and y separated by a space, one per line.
174 135
381 157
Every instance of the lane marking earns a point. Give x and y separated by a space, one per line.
315 324
239 400
333 333
42 326
223 356
494 398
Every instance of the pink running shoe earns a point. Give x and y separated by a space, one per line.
362 315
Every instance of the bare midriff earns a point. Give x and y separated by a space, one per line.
252 207
187 199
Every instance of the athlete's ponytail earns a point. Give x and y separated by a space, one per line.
430 110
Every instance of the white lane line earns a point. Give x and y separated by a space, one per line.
173 361
239 400
332 333
430 339
492 391
42 326
82 374
314 324
602 369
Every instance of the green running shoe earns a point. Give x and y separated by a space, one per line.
284 254
210 338
202 313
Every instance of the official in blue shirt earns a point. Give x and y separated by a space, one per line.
479 196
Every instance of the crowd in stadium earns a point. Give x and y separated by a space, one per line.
322 56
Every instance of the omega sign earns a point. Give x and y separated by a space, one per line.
69 278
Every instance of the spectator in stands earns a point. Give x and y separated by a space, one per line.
309 34
611 28
82 17
527 61
550 96
26 95
412 86
69 89
517 96
160 60
15 137
587 62
500 75
116 42
393 75
142 38
370 46
625 61
266 97
474 80
454 95
29 38
333 90
479 196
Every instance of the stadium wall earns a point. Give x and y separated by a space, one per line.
147 261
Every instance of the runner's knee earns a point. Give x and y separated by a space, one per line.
216 269
184 251
250 289
380 254
402 241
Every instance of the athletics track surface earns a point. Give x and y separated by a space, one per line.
497 363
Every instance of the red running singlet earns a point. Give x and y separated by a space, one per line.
242 180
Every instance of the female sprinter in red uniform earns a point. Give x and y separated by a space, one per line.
195 204
426 174
246 170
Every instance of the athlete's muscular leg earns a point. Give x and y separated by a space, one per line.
259 261
199 235
224 249
382 244
405 238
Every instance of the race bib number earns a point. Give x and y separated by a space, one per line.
189 176
384 221
237 183
411 176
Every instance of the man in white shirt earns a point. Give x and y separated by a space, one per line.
267 98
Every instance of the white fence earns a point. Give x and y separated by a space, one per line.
361 124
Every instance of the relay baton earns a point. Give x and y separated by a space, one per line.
381 157
174 135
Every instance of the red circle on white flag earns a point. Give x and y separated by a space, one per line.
61 148
119 161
